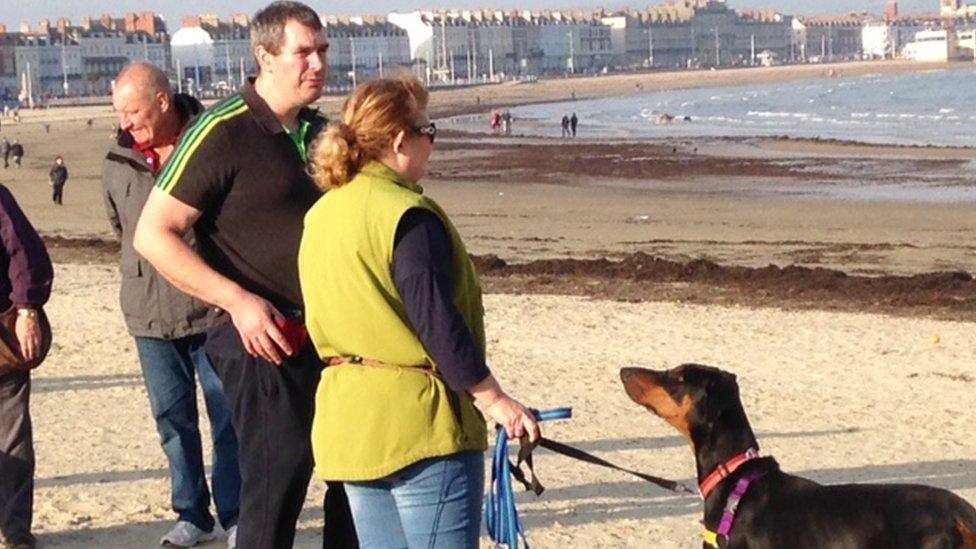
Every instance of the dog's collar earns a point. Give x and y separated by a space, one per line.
724 470
728 515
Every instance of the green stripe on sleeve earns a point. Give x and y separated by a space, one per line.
196 129
195 136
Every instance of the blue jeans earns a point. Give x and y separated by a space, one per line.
168 368
432 503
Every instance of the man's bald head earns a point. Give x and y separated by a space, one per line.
145 77
144 102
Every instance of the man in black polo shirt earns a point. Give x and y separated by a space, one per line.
238 177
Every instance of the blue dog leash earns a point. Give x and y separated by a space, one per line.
501 517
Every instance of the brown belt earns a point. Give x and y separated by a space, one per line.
341 360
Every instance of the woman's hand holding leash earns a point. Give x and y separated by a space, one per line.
515 418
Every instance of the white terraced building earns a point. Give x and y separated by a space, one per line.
211 53
933 46
463 44
364 47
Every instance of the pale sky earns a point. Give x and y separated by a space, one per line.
12 12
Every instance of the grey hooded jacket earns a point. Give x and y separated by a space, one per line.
152 306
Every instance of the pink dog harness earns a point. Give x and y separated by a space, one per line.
722 472
728 515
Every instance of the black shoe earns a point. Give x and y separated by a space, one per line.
20 541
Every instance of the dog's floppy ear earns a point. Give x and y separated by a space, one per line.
722 392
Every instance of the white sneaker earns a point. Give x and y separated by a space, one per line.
232 537
186 534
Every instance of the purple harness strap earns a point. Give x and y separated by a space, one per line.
732 504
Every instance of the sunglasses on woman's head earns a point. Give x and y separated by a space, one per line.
429 130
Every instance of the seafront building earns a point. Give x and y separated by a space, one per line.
934 46
365 47
63 59
212 54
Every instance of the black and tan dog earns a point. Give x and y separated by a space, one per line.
750 502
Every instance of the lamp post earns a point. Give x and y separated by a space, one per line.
64 68
572 60
718 56
352 55
227 68
650 46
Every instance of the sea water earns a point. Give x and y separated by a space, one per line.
934 107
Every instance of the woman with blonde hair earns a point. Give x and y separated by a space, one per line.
393 306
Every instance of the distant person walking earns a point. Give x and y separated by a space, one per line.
25 286
573 122
5 151
58 177
565 124
16 152
507 122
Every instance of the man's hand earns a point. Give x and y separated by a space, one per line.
28 336
254 319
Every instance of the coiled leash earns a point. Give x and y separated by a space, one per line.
501 516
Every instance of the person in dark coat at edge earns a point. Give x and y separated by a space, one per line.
26 275
169 326
58 177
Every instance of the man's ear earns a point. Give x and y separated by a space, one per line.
398 141
263 57
164 101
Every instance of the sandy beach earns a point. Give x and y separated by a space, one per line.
838 397
846 312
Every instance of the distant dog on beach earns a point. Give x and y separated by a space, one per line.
664 119
750 502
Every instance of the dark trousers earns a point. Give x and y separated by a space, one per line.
16 456
272 409
58 193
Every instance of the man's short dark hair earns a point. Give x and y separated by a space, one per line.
268 26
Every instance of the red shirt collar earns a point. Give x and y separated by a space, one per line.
148 152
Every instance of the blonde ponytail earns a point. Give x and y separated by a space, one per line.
337 157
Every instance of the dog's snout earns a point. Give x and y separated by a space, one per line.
627 373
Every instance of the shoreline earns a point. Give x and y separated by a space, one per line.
471 121
448 103
734 202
